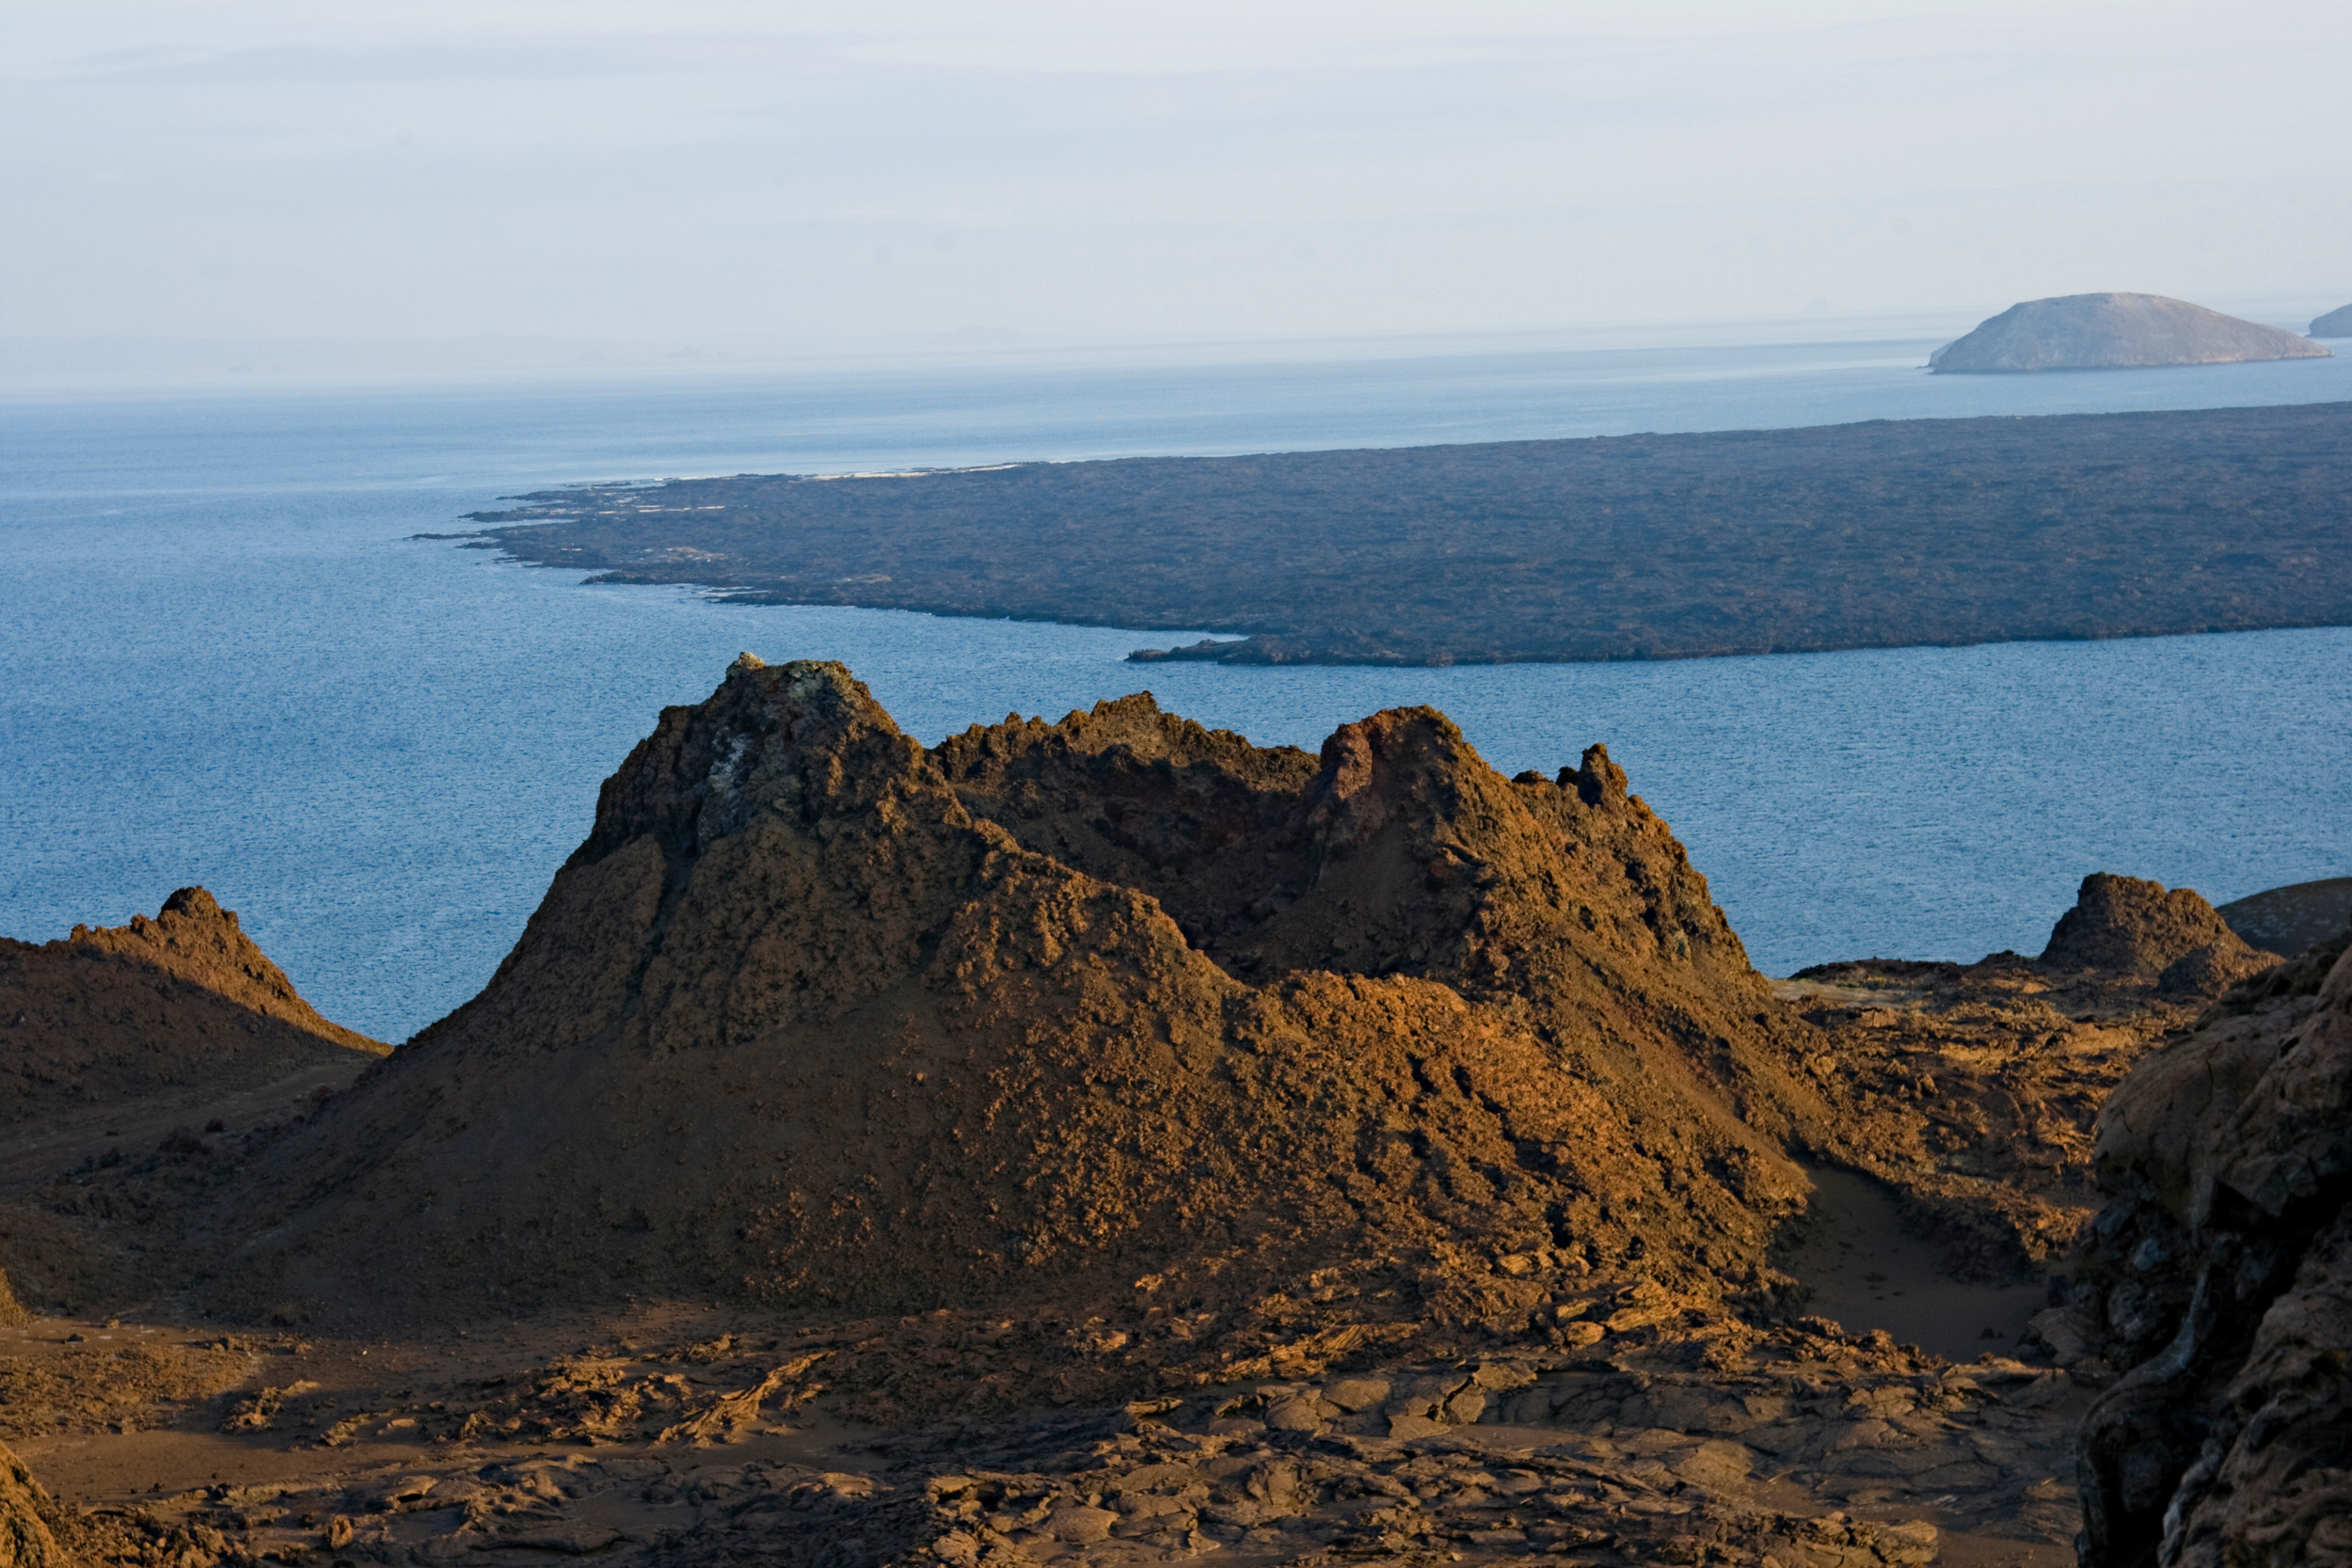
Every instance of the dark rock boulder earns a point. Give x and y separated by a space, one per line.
2220 1279
2128 926
2113 331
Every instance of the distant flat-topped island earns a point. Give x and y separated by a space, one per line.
1882 534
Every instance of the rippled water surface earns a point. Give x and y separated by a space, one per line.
224 662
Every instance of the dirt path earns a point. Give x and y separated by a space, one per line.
1867 1271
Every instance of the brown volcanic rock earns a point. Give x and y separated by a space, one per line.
817 1017
1972 1091
26 1538
2114 331
1398 852
183 1000
2221 1276
2127 926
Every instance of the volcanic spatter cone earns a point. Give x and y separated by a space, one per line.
820 1016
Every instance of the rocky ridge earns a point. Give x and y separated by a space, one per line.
184 1001
2113 331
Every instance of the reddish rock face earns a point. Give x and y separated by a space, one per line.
815 1015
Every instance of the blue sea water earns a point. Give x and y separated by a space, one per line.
223 661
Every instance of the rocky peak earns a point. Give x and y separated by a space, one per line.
197 904
180 1003
804 739
1405 770
2128 926
1598 782
194 940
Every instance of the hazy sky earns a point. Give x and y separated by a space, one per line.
1145 170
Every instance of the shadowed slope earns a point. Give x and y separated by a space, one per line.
2219 1282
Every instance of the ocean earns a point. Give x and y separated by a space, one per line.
223 658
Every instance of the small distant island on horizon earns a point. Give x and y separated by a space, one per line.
2114 332
1887 533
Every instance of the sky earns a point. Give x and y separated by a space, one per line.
703 170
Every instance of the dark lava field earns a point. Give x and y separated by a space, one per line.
1887 533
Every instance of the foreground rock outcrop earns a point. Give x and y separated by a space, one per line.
817 1017
111 1014
2114 331
2219 1280
27 1540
